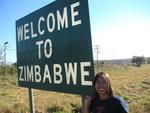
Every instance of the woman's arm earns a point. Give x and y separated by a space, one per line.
87 104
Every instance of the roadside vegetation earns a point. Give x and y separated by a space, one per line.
130 82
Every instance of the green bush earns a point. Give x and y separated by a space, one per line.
2 70
9 70
77 108
55 109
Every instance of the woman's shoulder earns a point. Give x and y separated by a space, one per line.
119 98
121 103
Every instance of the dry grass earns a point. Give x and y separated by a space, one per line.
14 99
132 83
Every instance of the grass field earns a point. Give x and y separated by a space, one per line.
132 83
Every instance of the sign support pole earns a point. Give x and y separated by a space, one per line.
83 99
31 101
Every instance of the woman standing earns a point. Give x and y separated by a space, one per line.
103 99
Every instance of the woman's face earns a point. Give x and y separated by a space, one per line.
101 85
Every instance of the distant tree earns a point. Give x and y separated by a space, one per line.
15 64
144 60
148 60
102 63
138 60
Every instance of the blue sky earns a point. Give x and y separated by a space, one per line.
120 27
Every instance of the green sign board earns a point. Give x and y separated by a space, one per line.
54 50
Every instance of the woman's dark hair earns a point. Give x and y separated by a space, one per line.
110 90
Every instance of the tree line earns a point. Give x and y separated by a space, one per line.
135 61
139 60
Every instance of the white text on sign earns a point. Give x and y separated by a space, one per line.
26 31
33 73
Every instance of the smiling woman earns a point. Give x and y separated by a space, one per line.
103 99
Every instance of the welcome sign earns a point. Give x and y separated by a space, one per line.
54 50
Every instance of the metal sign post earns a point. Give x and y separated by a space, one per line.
83 98
31 100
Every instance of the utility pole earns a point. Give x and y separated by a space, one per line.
97 50
5 56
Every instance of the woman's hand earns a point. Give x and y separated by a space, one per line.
87 104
